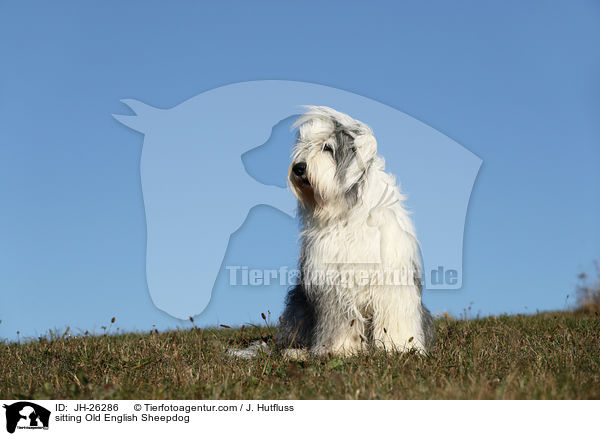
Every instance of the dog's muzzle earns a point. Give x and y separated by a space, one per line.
299 171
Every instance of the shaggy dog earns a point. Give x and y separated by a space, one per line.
360 265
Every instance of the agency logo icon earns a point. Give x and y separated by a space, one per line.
26 415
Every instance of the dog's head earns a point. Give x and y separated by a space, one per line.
330 159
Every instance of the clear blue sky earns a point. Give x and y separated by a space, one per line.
516 83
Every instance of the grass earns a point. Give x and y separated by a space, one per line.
544 356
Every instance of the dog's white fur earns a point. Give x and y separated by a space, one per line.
354 224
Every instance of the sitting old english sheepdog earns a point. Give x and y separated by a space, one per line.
360 265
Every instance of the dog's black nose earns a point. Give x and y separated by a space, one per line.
299 169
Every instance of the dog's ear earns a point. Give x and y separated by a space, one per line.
366 146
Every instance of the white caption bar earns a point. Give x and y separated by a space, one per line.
295 417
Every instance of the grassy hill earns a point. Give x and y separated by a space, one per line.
545 356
